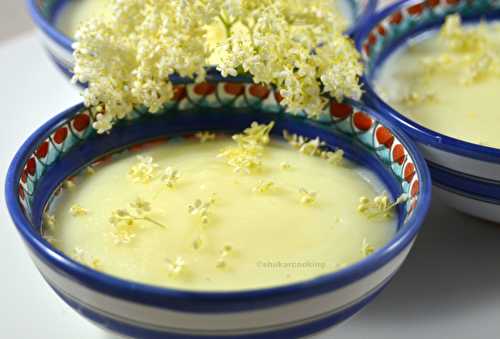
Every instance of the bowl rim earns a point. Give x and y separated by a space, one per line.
417 131
66 42
231 300
48 27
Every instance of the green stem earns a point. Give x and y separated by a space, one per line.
226 23
152 221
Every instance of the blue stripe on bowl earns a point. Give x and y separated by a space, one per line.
127 328
465 185
46 24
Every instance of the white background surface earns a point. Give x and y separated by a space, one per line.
14 18
448 288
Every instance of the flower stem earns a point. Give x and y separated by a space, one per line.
152 221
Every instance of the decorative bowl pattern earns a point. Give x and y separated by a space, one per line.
67 143
465 175
44 14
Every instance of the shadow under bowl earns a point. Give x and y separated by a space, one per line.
466 175
67 143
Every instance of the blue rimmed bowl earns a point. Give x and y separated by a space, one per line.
45 14
465 175
67 143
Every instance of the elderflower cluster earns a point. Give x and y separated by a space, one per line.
314 147
69 184
246 156
298 46
201 209
285 165
296 141
144 171
221 261
84 258
124 221
334 158
307 197
77 210
170 177
379 205
175 267
264 186
49 220
366 248
205 136
471 53
414 98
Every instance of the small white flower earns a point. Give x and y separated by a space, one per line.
69 184
307 197
144 171
205 136
78 211
366 248
103 123
201 209
264 186
141 207
170 177
285 165
177 266
311 147
122 237
49 220
380 205
334 158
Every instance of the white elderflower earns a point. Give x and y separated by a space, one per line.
334 158
307 197
298 46
380 205
201 209
78 211
175 267
246 156
49 220
285 165
205 136
312 147
103 123
222 260
140 207
85 258
366 248
144 171
170 177
264 186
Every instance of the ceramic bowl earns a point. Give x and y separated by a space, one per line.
67 143
466 176
45 16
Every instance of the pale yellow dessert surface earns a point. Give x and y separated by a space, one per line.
77 11
264 229
467 112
